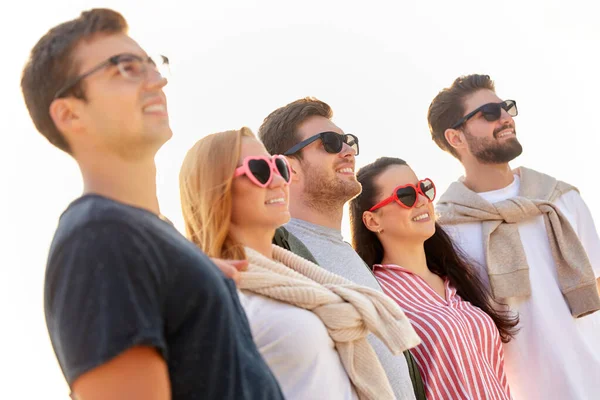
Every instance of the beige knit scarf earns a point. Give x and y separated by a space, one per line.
505 257
348 311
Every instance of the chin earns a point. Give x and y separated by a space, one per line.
352 188
166 134
282 219
428 231
159 130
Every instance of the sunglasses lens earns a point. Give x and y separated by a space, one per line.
407 196
332 142
492 111
511 107
351 141
428 188
283 169
260 169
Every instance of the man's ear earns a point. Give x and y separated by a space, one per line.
455 138
372 221
66 116
296 170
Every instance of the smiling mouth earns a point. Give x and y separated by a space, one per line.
346 170
279 200
155 108
421 217
504 133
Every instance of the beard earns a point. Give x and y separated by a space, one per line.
325 192
492 151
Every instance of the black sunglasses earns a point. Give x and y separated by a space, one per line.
130 66
332 142
491 112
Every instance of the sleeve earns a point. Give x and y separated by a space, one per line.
102 297
574 205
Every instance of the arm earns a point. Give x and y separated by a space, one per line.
586 229
104 295
138 373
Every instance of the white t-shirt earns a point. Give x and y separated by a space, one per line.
297 347
554 356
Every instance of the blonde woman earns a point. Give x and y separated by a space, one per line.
309 325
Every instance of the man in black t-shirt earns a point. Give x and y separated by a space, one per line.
134 310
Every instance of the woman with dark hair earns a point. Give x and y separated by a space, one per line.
394 231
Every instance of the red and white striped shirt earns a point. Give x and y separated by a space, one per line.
461 354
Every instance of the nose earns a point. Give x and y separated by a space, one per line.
277 181
505 117
347 151
421 200
154 80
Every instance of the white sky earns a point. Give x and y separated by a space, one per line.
377 64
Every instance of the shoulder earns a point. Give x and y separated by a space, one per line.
97 222
101 240
575 209
285 239
570 196
280 238
94 207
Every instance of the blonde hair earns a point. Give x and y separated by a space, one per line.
205 182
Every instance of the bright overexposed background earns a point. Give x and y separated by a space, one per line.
377 63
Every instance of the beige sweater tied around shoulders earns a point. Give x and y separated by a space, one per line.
505 257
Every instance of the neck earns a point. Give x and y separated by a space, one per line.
329 216
410 255
128 182
486 177
256 238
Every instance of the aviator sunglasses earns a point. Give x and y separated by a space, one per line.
406 195
333 142
491 112
260 169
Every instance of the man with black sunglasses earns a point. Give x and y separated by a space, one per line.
532 236
321 156
133 309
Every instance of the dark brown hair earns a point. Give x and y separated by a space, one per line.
448 106
51 65
443 257
278 131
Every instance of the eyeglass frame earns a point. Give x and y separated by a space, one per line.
114 60
299 146
418 191
245 169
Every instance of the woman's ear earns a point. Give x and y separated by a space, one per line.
372 221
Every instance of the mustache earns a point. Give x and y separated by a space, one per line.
345 163
503 127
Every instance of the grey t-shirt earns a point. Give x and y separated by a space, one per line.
332 253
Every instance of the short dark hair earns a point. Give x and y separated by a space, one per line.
51 65
448 106
279 131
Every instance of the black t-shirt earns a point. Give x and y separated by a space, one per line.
119 276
